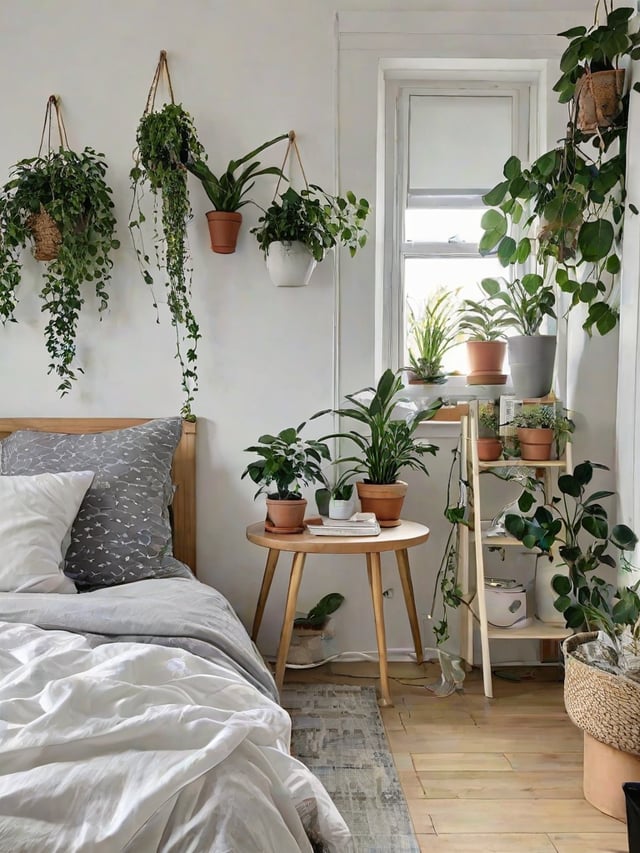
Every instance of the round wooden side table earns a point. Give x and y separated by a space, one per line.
397 539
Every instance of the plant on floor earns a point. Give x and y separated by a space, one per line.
286 463
432 333
318 616
166 141
66 191
569 520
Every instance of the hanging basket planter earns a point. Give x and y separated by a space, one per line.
223 231
46 235
289 264
598 99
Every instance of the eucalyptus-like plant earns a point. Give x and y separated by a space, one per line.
568 523
524 302
71 188
167 141
432 333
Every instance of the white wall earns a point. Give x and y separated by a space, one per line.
246 71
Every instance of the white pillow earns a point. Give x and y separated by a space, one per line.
36 513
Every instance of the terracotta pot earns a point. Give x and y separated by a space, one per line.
535 444
223 230
605 770
486 360
599 99
489 449
384 500
285 516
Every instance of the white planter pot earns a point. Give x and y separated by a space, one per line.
290 264
544 593
341 509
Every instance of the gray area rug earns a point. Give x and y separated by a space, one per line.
339 735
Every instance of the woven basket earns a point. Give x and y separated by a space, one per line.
46 236
598 97
605 706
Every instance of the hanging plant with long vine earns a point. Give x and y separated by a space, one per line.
59 202
166 141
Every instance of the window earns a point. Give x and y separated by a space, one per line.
451 143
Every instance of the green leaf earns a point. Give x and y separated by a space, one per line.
623 537
512 168
596 526
569 485
595 239
561 584
526 501
506 250
582 474
495 196
573 32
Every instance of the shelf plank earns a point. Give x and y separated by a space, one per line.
501 541
522 463
537 630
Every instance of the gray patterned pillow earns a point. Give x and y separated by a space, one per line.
122 531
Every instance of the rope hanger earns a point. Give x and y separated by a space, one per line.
161 68
291 144
53 104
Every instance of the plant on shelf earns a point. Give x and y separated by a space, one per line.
390 446
305 225
166 140
489 443
228 193
485 326
285 463
60 202
432 333
538 428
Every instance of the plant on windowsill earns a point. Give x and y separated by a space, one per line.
286 463
390 446
228 193
485 326
525 303
537 429
61 196
432 333
297 230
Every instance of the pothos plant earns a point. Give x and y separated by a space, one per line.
70 187
166 141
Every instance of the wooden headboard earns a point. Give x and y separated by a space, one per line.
183 470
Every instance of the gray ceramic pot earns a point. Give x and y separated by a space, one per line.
531 359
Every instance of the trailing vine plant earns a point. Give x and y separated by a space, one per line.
166 141
62 196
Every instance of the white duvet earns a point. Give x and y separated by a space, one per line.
135 747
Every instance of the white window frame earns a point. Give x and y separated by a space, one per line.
525 134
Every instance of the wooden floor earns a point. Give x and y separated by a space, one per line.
493 776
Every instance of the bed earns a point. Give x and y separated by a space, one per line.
135 713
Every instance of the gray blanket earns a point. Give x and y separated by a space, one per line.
175 612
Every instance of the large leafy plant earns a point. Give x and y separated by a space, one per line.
71 187
391 444
167 141
228 191
576 525
524 303
285 463
314 217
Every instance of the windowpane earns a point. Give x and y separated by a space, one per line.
443 225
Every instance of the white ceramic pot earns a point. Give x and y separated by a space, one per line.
341 509
290 264
544 592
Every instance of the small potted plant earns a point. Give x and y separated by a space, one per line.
525 303
432 333
489 443
312 630
228 193
537 428
286 463
297 229
390 446
341 501
60 203
485 325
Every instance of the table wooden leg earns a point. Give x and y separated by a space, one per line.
368 556
404 571
289 615
378 614
269 569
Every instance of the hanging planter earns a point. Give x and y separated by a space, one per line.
59 202
598 99
166 139
297 229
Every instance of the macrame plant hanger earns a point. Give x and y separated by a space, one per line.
162 68
291 144
46 234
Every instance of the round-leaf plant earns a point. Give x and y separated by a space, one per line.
71 187
167 141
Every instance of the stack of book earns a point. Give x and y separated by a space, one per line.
360 524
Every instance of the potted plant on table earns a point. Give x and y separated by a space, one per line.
286 463
390 446
228 193
297 229
485 325
525 303
60 202
432 333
